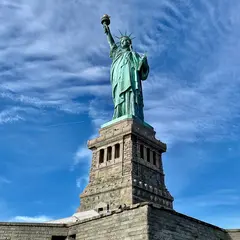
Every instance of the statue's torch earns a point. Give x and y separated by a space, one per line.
105 21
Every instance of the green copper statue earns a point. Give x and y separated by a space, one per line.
127 70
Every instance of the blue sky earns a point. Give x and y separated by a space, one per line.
55 93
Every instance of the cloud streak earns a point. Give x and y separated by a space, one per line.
4 180
215 207
10 115
35 219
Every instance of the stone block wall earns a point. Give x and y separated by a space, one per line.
110 179
31 231
147 221
167 225
109 195
234 234
127 224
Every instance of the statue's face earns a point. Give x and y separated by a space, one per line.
125 42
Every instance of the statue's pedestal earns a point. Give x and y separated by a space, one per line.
125 117
126 167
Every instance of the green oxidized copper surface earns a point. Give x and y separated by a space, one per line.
128 69
124 118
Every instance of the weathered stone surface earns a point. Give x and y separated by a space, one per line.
31 231
167 225
234 234
127 224
128 178
76 217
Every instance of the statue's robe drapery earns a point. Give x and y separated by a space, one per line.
127 70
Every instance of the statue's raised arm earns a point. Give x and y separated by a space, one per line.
127 70
106 22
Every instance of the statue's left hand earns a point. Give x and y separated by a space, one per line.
144 57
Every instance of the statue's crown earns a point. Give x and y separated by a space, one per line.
125 36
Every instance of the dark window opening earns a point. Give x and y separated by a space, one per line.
141 151
160 161
72 237
117 150
109 153
154 158
59 237
100 209
101 156
148 154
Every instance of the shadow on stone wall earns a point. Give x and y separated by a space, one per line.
233 234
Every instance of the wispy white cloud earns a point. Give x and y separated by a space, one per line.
51 66
98 115
215 207
35 219
60 104
227 222
82 181
94 73
219 198
82 156
5 209
10 115
4 180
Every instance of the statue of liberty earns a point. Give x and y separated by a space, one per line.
127 70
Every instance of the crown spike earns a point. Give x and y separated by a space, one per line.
120 32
